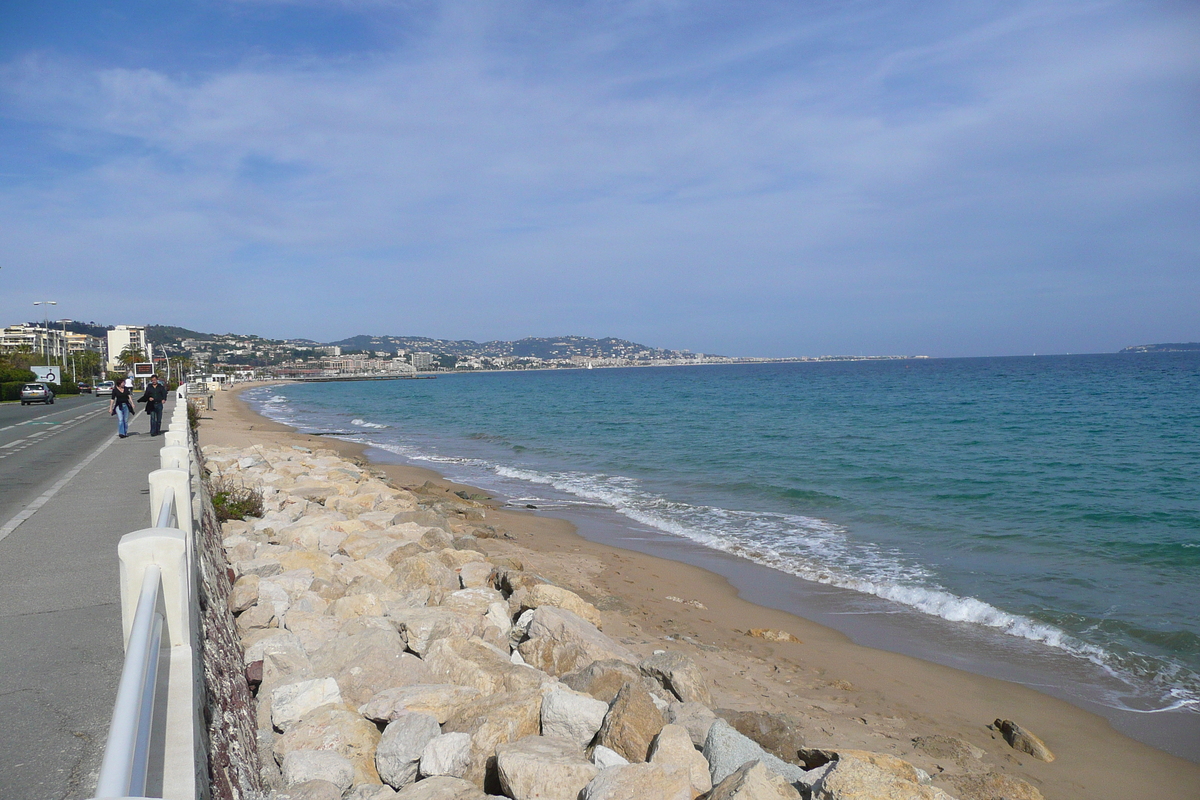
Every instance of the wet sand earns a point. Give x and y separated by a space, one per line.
846 695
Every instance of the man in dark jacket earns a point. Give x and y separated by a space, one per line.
154 397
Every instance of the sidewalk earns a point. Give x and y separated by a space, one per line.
60 621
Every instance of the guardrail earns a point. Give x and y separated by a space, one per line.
153 741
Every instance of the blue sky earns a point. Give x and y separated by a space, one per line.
752 178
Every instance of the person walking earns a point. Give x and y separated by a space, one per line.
154 397
120 406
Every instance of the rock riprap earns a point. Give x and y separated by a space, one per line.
394 658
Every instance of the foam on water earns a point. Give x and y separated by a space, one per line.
808 548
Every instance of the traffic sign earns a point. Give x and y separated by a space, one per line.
45 374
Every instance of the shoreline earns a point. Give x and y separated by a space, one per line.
850 695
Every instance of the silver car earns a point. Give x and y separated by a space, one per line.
104 389
36 393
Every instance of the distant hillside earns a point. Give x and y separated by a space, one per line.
1168 347
172 334
530 347
75 326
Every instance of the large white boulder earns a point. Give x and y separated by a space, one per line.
290 702
301 766
571 715
399 751
543 767
448 754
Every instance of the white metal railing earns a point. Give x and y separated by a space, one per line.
166 511
127 754
152 748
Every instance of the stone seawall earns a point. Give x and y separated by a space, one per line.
228 707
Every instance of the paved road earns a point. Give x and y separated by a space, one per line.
40 443
69 489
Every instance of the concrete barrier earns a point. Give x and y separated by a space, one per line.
180 481
174 457
154 747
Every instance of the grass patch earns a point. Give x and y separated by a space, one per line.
193 412
233 499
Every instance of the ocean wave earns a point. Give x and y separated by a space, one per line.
826 553
362 423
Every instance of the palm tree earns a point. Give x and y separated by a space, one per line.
129 356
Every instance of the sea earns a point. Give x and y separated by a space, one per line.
1032 518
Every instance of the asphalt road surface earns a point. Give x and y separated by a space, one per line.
39 443
69 489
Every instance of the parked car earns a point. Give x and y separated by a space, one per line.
85 388
104 388
36 393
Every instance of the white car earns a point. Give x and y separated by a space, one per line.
36 393
104 389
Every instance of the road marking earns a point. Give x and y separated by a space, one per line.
44 416
32 439
44 498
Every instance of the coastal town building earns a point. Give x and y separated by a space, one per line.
239 356
32 339
53 343
127 337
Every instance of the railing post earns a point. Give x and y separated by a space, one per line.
174 457
180 481
165 548
175 438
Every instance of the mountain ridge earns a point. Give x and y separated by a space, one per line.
1163 347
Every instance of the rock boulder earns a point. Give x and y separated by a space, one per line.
1023 740
399 751
638 782
572 715
632 722
753 781
543 767
679 675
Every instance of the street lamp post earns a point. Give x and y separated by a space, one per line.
64 347
45 325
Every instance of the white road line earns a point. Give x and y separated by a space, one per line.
11 444
44 498
44 416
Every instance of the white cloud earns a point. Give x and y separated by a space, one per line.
564 158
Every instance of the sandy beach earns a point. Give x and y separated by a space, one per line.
847 696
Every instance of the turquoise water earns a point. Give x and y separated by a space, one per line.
1049 499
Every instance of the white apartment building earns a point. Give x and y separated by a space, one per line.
125 337
422 361
34 338
52 342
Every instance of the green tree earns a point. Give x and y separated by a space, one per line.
129 356
20 358
87 365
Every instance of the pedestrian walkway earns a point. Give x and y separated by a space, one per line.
60 621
